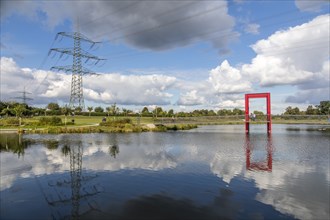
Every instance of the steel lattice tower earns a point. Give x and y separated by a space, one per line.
76 82
77 70
24 97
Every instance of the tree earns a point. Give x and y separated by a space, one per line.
223 112
90 109
108 109
6 111
311 110
145 111
125 111
112 110
211 113
19 110
65 110
324 107
292 111
237 111
53 109
78 109
3 105
99 109
38 111
170 113
53 106
158 111
258 112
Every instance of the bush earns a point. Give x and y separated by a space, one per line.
118 122
9 122
50 121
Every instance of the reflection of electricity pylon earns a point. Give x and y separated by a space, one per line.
77 70
68 196
75 171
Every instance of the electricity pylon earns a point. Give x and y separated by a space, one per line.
24 97
77 70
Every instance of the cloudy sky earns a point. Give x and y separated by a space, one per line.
182 55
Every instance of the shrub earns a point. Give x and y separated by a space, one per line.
9 121
118 122
50 121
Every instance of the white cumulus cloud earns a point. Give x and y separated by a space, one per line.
298 56
47 86
191 98
227 79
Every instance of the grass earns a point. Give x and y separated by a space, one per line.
85 124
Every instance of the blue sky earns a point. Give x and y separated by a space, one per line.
175 54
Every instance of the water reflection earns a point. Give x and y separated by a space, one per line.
75 171
205 175
260 165
52 144
114 148
14 143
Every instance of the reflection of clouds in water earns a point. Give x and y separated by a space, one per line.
11 169
6 181
139 157
41 160
227 166
280 188
292 188
295 192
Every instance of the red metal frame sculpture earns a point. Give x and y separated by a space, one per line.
247 110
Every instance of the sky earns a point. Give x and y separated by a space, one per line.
180 55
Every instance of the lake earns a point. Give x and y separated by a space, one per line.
212 172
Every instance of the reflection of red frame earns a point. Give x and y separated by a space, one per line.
247 110
266 165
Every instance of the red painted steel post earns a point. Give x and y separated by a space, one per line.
247 122
269 116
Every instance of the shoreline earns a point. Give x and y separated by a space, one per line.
132 128
125 128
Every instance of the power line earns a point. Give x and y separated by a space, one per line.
40 66
167 24
226 35
187 38
138 22
173 22
106 15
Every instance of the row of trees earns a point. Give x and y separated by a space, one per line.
19 109
322 109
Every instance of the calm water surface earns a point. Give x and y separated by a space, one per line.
212 172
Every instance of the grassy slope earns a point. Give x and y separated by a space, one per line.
85 121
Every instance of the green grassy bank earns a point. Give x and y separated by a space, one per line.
83 124
86 124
